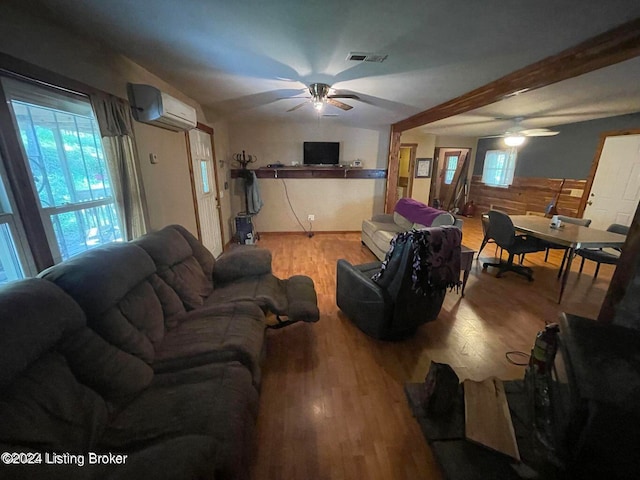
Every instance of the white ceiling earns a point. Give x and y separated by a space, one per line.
238 58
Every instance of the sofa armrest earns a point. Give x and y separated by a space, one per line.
383 217
244 261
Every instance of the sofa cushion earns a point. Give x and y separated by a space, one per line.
189 457
113 373
370 227
241 261
265 290
402 222
200 252
220 333
114 285
47 408
185 270
382 239
29 328
215 400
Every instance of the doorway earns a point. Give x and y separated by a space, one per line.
204 186
407 160
448 182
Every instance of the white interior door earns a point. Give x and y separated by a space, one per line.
616 187
205 190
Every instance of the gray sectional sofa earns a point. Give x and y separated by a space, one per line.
148 351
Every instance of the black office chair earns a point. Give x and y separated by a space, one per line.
600 256
504 233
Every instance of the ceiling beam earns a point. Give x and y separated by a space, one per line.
614 46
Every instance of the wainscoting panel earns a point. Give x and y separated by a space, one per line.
528 195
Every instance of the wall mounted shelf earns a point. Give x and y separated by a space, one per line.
310 172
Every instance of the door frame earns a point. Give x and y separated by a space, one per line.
413 149
206 129
438 166
596 160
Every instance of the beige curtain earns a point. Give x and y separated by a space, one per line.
116 127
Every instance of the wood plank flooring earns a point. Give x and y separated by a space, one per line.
332 403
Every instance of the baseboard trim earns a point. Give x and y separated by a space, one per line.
315 232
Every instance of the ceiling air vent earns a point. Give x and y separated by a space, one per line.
366 57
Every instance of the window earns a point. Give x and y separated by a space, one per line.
14 260
451 164
70 177
204 170
499 166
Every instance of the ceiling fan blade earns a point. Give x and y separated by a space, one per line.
297 106
338 104
539 133
289 98
345 95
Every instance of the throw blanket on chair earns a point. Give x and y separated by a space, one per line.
417 212
435 257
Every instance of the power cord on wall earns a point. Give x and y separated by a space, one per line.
286 192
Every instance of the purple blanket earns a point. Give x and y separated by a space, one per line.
417 212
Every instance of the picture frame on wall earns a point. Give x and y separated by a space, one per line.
423 167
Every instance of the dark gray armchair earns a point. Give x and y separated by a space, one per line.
409 286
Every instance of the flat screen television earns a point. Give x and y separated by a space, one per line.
321 153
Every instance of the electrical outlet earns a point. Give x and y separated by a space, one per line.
311 217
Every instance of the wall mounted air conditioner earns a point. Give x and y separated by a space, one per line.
150 105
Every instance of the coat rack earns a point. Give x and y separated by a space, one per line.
244 160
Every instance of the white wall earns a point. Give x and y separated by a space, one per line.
167 183
46 45
338 204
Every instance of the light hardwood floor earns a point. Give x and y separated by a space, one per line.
332 403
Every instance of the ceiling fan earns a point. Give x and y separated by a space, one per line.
516 135
321 95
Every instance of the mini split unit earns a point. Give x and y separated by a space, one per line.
152 106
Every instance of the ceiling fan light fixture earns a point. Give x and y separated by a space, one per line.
514 140
318 105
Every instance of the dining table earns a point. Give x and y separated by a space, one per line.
567 235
